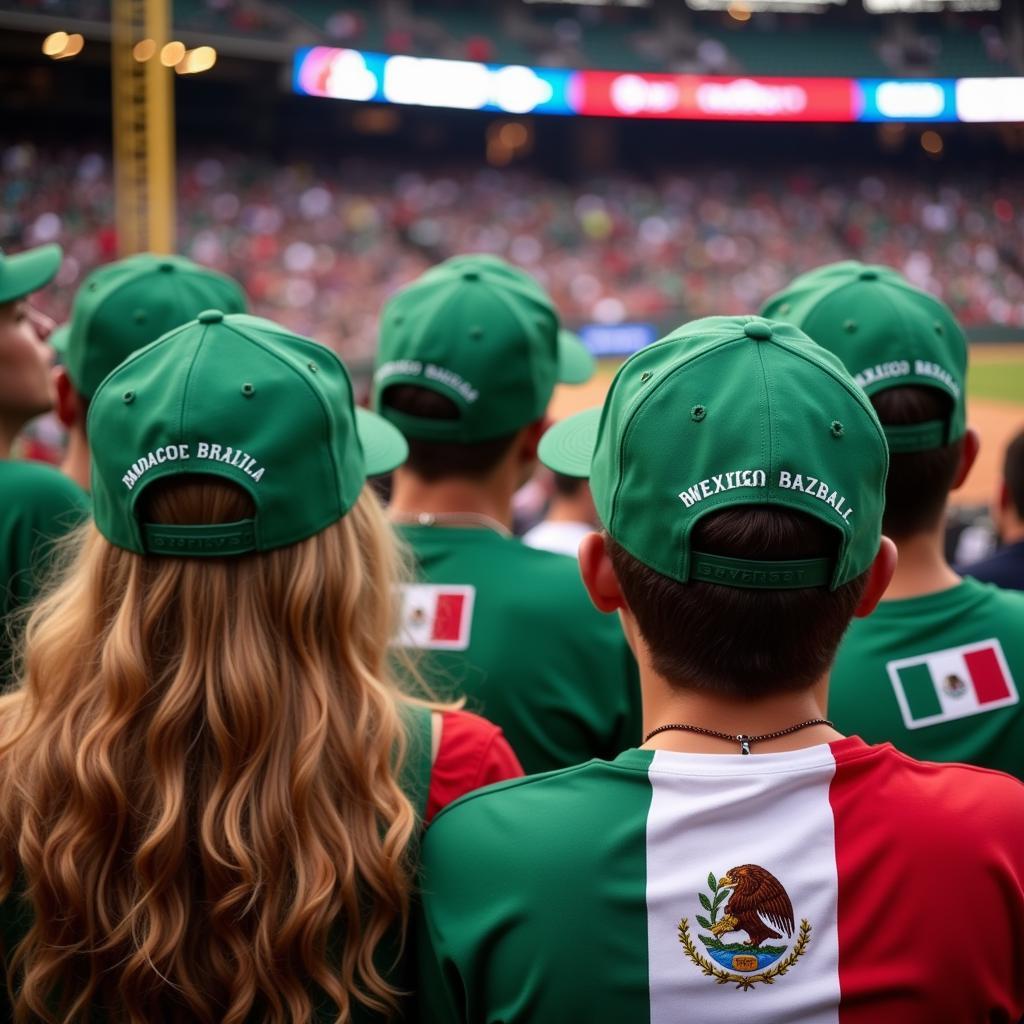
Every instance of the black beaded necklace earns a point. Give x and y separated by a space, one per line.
741 738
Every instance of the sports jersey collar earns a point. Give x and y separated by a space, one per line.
679 763
964 593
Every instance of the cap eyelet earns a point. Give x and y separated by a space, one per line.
313 368
697 413
850 326
837 429
476 333
645 376
939 329
139 316
248 390
128 397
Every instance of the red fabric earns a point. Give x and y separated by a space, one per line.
472 753
987 675
930 864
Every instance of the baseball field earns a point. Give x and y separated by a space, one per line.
995 386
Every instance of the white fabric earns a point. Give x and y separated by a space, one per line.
561 537
711 814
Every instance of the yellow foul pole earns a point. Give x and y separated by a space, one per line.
143 102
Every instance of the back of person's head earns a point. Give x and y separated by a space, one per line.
468 356
739 476
738 642
439 460
200 792
907 351
1013 474
123 306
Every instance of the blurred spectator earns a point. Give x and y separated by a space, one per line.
1006 567
571 516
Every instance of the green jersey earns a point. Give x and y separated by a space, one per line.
938 676
512 629
38 504
809 886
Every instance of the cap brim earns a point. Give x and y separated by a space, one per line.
384 447
59 340
575 363
27 272
568 446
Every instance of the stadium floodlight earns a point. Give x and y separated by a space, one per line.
62 45
144 49
194 62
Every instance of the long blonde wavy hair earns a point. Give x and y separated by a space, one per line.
199 793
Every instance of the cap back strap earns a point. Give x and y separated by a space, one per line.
915 437
204 540
752 574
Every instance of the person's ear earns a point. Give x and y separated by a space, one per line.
968 453
67 405
599 575
879 576
530 439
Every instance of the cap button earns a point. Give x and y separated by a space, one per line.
210 316
758 331
167 266
471 275
868 275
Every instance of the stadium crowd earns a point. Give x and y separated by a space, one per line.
275 749
320 248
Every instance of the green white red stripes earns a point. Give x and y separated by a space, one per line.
957 682
780 823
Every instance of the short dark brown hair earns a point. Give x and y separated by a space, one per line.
440 460
735 642
1013 472
569 486
919 483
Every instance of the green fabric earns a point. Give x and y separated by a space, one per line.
469 902
728 411
241 398
485 335
24 272
887 333
542 662
38 505
862 697
123 306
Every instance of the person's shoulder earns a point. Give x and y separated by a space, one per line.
958 793
41 487
505 798
996 600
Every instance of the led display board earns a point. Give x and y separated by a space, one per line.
361 76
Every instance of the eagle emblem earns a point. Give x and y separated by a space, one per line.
750 907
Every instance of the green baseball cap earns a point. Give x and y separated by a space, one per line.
123 306
889 334
485 335
238 397
24 272
730 411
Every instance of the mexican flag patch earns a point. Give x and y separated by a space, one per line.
954 683
436 616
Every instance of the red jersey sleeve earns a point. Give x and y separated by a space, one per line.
472 753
